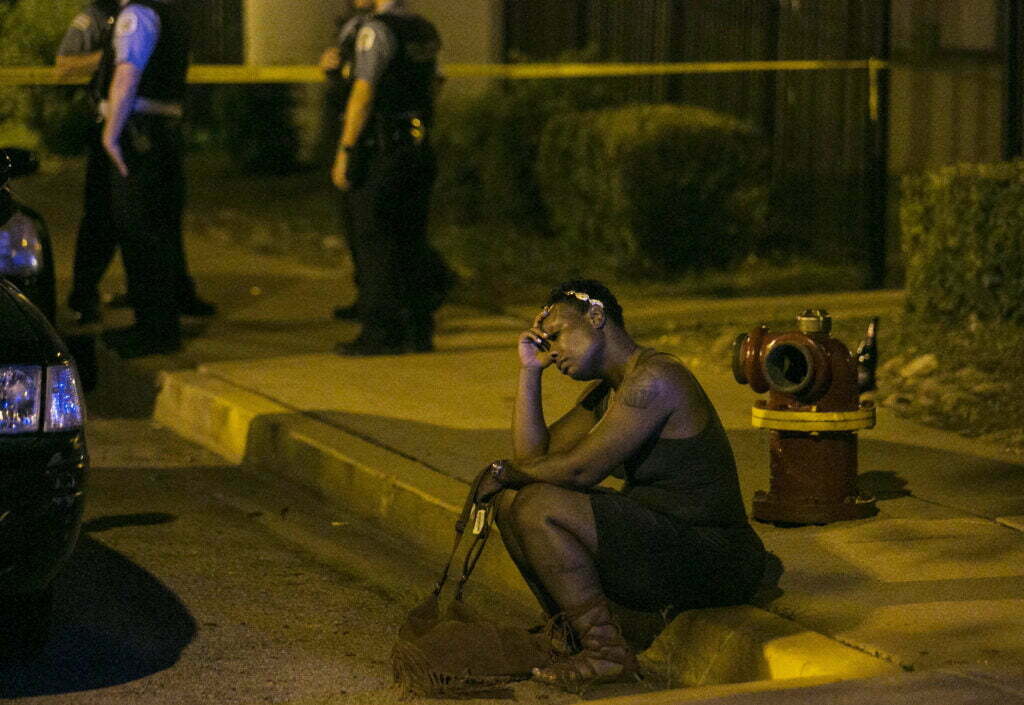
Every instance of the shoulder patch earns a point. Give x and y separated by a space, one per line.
82 22
365 39
127 24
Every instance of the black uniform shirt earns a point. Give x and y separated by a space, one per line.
87 31
396 52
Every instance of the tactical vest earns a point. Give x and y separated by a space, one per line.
96 89
407 85
107 7
164 76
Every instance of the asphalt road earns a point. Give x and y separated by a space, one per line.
194 582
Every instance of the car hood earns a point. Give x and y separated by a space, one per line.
21 341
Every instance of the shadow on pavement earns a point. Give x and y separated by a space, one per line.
113 623
882 484
457 452
969 483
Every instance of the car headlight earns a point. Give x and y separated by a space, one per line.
21 250
22 400
19 398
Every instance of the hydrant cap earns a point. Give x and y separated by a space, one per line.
814 320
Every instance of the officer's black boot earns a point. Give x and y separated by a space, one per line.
189 302
196 306
421 332
381 337
347 313
151 335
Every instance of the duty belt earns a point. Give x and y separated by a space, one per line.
402 129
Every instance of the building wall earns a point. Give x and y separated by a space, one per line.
947 85
471 32
289 32
281 32
945 115
296 31
947 97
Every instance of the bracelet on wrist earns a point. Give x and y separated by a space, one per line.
498 472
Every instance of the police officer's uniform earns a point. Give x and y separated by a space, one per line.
340 82
94 247
147 205
392 171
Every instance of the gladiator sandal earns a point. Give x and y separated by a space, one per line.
605 658
555 636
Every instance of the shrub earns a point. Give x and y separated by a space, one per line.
30 32
663 189
963 243
488 144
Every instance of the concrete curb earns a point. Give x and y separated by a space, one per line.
418 504
406 498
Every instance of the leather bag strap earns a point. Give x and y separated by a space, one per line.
482 515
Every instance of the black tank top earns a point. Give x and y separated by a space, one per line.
692 478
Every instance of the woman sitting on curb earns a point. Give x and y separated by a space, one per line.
676 535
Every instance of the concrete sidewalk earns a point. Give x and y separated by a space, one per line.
934 581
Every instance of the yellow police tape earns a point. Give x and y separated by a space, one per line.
241 73
810 421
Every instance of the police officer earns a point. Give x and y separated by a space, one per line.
337 62
386 164
77 57
142 75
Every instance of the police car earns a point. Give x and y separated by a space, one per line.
43 456
26 258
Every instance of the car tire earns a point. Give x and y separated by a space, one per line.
30 617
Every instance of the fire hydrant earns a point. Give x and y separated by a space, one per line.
813 412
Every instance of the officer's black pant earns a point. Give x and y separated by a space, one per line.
401 275
147 208
97 236
348 229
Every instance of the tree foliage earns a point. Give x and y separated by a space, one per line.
30 32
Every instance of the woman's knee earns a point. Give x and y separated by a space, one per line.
503 509
540 505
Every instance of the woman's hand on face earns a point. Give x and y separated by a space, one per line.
534 347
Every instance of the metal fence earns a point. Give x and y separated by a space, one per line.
826 126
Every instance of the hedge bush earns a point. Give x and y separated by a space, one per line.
61 116
488 144
665 189
963 243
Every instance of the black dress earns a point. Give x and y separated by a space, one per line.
677 534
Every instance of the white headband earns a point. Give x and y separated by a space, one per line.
584 297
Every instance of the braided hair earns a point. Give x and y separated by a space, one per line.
581 295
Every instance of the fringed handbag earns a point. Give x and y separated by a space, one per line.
455 651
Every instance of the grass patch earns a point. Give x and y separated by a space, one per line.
969 380
501 266
709 344
973 384
15 134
